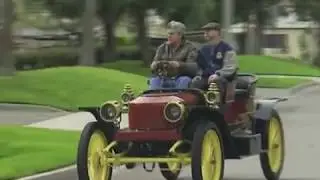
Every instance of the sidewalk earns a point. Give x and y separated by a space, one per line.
73 121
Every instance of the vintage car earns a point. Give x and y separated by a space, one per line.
178 127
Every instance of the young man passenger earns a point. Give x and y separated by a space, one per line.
216 59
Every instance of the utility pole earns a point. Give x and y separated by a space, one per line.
227 20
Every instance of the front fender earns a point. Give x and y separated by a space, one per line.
93 110
109 128
264 108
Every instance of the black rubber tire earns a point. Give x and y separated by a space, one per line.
197 149
82 159
264 160
167 174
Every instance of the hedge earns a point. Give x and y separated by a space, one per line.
52 57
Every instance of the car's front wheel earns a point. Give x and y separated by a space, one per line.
207 161
90 156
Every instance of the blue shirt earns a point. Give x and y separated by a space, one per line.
210 57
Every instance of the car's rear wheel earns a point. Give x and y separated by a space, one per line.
207 153
170 171
90 156
272 161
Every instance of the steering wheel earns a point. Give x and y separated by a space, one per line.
162 68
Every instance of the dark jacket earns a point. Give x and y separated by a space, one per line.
219 59
186 54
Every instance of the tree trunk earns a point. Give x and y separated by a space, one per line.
143 40
7 67
87 51
250 35
110 38
260 21
316 60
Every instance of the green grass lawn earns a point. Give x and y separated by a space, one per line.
71 87
26 151
270 65
248 64
68 87
267 82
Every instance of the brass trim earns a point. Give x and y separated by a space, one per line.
213 88
122 99
207 97
127 90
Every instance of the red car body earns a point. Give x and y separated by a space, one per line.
147 122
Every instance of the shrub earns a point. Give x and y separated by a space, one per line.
48 57
67 56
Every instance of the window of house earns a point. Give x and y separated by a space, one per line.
276 41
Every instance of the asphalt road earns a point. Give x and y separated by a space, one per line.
301 123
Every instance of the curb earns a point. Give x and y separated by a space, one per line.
36 176
28 107
303 86
288 75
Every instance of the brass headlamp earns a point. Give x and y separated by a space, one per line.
174 111
110 111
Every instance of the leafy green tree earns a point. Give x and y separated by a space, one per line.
194 13
108 11
138 9
256 12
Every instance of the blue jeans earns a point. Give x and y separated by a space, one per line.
181 82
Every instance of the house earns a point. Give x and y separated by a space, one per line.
288 37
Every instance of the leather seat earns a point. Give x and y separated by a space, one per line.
244 83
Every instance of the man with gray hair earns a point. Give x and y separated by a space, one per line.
181 56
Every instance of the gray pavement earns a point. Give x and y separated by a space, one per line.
300 116
16 114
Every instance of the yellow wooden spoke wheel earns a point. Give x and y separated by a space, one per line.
90 158
207 153
272 161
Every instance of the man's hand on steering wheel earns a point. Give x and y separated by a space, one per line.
167 68
174 64
161 67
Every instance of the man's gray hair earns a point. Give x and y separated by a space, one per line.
175 26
